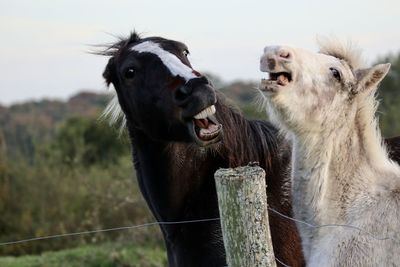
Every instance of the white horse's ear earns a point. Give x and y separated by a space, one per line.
368 79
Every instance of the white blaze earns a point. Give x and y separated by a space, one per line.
171 61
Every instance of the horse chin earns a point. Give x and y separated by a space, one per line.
205 134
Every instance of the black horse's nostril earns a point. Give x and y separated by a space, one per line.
182 92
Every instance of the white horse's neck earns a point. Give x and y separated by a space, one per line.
333 166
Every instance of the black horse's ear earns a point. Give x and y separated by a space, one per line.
109 72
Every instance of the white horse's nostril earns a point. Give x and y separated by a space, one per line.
284 54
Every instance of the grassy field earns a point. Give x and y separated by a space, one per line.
104 255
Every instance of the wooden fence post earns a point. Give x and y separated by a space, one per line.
242 203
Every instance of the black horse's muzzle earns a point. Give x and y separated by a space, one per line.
196 98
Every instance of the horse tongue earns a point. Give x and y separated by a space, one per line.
282 79
207 129
201 123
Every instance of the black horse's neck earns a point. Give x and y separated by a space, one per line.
168 173
178 186
150 164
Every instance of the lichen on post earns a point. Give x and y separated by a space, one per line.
242 202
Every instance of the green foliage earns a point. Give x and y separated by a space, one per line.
87 141
45 200
245 97
120 254
28 125
389 92
250 111
82 179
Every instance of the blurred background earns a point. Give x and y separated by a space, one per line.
63 170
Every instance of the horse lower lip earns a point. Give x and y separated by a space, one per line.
209 133
268 85
206 129
205 134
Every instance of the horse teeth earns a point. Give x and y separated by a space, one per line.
205 113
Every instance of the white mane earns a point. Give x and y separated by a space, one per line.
113 113
367 107
348 51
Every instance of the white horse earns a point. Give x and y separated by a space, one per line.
325 102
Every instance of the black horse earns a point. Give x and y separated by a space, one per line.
181 132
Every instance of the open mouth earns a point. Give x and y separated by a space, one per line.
205 128
276 78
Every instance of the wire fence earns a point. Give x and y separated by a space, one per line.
104 230
376 237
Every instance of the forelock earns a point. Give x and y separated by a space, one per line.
346 51
122 44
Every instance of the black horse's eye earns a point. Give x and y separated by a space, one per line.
336 74
185 52
129 73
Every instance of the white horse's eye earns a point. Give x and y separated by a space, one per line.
336 74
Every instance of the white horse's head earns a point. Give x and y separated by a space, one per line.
305 90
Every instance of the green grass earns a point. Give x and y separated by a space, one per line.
104 255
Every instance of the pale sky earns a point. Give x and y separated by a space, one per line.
43 43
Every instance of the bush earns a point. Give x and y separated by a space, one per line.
82 180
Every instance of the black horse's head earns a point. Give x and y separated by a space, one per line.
159 92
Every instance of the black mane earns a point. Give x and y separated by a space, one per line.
248 140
